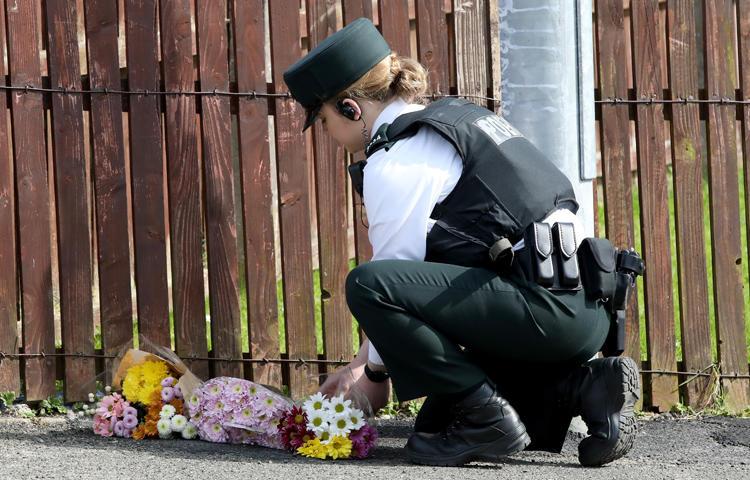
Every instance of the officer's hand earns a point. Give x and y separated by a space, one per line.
341 381
377 394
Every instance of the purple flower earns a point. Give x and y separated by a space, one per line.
130 411
177 391
363 440
130 421
167 394
119 428
168 382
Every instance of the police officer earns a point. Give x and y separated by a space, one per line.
458 303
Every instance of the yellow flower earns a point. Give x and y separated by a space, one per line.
339 447
143 380
313 449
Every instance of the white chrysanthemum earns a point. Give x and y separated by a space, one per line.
189 432
314 404
194 401
108 389
340 425
178 423
325 438
167 411
318 422
164 427
357 418
339 406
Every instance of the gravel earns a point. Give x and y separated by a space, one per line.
666 448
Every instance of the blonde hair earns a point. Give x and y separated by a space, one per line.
394 76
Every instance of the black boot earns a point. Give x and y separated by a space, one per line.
607 395
434 415
485 426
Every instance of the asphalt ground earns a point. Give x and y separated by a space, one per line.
666 448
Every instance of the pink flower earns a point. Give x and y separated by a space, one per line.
102 426
119 404
106 407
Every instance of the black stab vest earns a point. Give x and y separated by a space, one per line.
506 183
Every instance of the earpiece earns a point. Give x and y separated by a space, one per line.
346 110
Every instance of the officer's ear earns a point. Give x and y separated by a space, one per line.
349 108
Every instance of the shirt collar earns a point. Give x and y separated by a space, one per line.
394 109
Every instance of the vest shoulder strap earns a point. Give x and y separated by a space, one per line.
446 110
379 140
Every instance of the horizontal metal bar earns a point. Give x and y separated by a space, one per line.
696 374
672 101
297 361
433 96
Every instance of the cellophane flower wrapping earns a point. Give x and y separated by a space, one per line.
328 428
154 395
234 410
146 399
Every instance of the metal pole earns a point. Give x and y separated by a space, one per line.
548 85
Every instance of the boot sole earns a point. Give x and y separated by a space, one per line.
625 390
502 447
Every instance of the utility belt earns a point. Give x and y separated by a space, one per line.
552 258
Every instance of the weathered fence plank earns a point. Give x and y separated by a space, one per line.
330 179
687 161
654 200
223 263
352 10
72 200
472 45
743 15
10 375
184 171
394 25
724 190
255 161
33 199
147 173
116 307
615 145
432 43
293 200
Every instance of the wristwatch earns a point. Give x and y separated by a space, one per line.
376 377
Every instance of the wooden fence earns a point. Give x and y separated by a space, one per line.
149 146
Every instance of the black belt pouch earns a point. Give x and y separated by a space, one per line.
538 244
598 260
564 237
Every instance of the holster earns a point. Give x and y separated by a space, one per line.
549 257
608 275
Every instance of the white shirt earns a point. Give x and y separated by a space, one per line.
403 185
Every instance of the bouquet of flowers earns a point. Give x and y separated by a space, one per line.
157 396
234 410
327 428
151 400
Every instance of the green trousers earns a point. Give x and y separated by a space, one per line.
430 322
